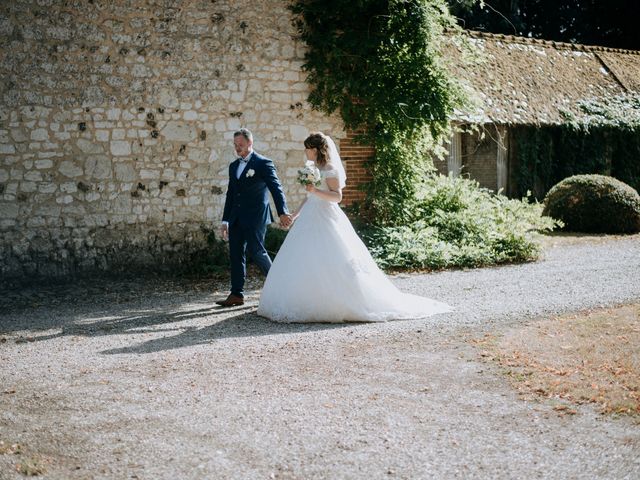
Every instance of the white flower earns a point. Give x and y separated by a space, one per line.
251 172
309 175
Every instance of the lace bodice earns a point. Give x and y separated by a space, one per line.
333 171
329 173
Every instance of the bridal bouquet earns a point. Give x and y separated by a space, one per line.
309 175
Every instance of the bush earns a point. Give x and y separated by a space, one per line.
273 240
214 258
594 204
451 223
456 223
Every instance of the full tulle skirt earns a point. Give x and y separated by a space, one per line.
324 273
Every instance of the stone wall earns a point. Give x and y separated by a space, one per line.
116 124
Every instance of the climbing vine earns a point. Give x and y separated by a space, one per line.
603 139
378 64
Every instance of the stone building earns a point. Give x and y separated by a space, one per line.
515 83
116 124
116 121
521 82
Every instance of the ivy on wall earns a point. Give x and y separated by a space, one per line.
378 64
604 139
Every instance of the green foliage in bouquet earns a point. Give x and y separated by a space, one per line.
456 223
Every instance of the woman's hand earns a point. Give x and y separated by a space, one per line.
310 188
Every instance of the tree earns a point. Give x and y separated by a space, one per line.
378 64
593 22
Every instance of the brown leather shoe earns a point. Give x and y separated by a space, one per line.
231 301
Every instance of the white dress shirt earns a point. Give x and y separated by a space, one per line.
242 165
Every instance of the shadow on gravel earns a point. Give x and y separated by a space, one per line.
238 326
177 312
118 304
174 326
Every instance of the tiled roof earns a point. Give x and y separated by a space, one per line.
517 80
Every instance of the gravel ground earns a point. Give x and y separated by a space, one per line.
147 378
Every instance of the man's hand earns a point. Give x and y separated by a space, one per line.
224 231
286 220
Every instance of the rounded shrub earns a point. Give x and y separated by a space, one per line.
594 204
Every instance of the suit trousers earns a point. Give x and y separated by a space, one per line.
243 241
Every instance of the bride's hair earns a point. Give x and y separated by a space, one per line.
318 141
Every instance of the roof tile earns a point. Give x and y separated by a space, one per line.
530 81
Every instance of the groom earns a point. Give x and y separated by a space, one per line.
247 212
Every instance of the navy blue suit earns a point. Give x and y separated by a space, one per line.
248 212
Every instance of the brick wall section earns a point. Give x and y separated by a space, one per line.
354 155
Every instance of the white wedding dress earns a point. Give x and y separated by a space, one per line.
324 273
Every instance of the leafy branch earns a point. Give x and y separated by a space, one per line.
378 64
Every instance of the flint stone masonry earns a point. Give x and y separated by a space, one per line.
117 121
120 148
116 126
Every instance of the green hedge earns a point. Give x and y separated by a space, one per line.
451 223
594 203
214 258
546 155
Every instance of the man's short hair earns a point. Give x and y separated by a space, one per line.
245 132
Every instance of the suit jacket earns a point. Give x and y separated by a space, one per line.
247 198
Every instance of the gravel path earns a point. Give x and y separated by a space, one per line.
148 379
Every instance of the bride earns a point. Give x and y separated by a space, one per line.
323 272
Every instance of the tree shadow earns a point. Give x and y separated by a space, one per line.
195 320
152 314
247 324
118 303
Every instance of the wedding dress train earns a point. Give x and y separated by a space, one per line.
324 273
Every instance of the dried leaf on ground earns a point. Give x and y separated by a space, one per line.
588 357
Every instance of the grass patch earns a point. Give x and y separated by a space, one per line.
588 357
31 467
28 465
10 448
